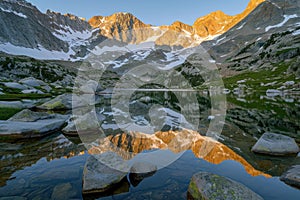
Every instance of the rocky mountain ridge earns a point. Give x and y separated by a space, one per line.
52 35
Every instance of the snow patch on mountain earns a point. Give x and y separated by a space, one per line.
37 53
14 12
286 18
240 27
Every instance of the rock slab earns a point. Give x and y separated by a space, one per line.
29 124
206 185
98 177
275 144
292 176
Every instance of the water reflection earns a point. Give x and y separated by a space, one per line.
34 168
130 145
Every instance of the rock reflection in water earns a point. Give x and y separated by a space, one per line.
129 145
17 155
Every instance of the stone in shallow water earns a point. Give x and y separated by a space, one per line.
292 176
275 144
139 171
28 124
27 115
206 185
61 102
98 177
87 122
63 191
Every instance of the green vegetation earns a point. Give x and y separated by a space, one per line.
6 113
254 79
15 97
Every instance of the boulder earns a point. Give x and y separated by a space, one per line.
28 124
61 102
14 85
63 191
206 185
20 104
140 171
69 102
30 116
275 144
32 91
98 177
33 82
292 176
87 122
11 104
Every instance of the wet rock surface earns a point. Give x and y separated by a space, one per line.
29 124
275 144
206 185
292 176
98 177
140 171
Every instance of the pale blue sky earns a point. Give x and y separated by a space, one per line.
156 12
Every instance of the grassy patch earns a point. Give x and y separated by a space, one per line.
255 78
14 97
6 113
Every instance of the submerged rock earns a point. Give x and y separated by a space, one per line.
29 124
139 171
63 191
206 185
275 144
97 177
292 176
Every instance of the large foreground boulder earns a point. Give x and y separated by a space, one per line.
29 124
98 177
206 186
275 144
292 176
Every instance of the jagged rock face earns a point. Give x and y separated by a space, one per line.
71 37
212 24
122 26
63 22
27 31
127 28
24 25
179 27
218 22
269 34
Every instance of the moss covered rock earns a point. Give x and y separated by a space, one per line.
207 186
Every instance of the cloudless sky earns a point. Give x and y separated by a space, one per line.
155 12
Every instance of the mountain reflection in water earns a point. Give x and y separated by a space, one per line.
130 145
